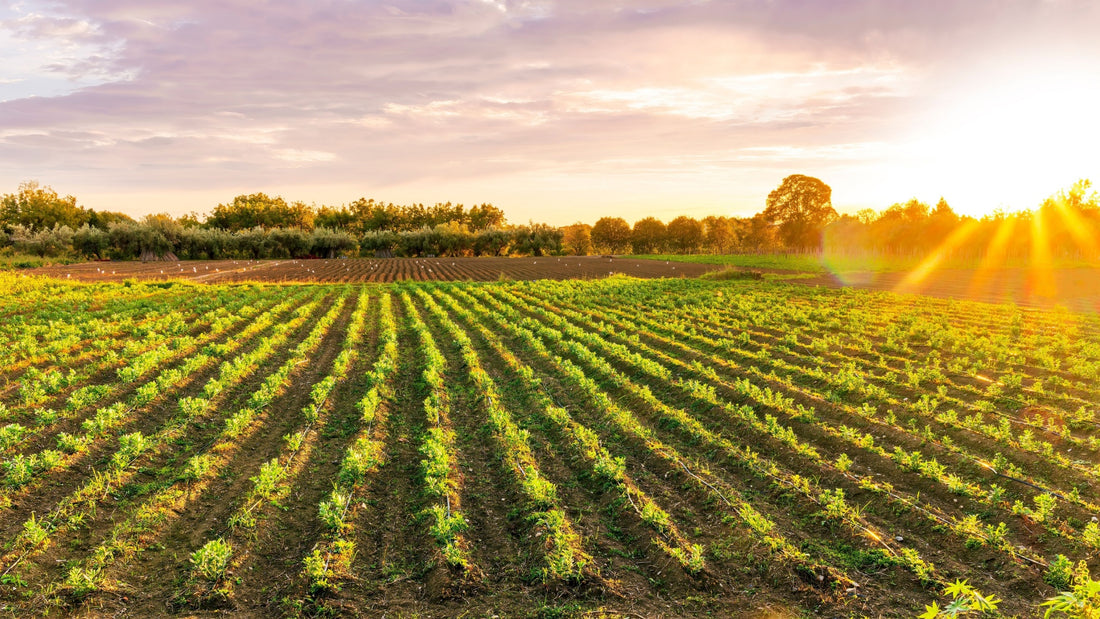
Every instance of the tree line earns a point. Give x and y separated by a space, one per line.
36 220
798 216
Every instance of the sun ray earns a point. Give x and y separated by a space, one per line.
995 256
1040 276
1078 227
956 239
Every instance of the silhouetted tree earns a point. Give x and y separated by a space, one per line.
801 206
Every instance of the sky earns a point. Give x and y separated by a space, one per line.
554 111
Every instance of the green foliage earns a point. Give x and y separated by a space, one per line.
325 568
37 208
802 206
611 235
965 600
1059 573
333 509
210 562
733 273
649 236
685 235
1082 602
258 210
445 529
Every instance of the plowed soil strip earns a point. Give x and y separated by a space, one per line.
395 549
274 568
381 270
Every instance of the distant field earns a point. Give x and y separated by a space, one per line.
355 270
810 263
645 447
1070 285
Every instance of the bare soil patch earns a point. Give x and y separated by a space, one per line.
359 270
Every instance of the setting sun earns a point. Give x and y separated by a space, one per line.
552 109
1006 145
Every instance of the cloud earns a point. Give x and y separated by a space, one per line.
486 93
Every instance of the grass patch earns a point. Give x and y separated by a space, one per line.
11 261
732 273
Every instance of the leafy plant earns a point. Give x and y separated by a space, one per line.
1059 573
210 561
1082 602
965 600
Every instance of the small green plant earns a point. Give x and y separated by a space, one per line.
656 517
835 507
1044 507
1059 573
69 443
333 510
324 568
18 471
1082 602
81 581
843 462
198 467
11 434
34 533
691 558
210 561
965 600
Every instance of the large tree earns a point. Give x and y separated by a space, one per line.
648 236
685 234
612 235
484 216
802 207
577 239
258 210
38 207
720 233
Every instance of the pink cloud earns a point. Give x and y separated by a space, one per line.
240 95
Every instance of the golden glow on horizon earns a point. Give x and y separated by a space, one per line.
1040 278
1039 271
994 256
1003 146
953 241
1078 227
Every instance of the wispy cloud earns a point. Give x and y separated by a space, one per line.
489 99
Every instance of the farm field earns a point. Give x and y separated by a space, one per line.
665 447
358 270
1072 285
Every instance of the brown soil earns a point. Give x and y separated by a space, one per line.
1074 288
377 270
